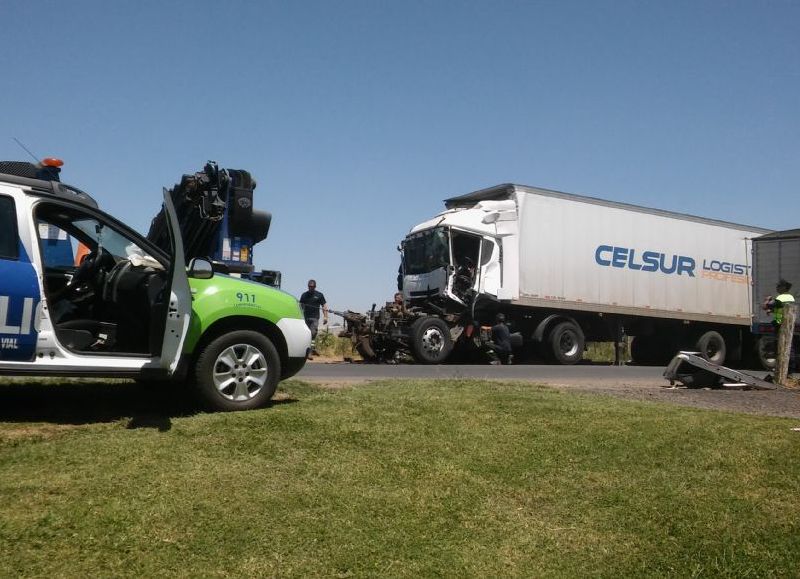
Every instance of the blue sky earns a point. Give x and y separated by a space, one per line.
358 117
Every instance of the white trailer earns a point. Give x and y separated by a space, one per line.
567 269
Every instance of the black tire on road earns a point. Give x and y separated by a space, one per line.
237 371
766 349
712 346
430 340
566 343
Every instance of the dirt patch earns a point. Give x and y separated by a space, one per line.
40 432
326 360
781 402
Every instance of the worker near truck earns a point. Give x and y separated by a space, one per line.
398 306
500 345
774 305
311 301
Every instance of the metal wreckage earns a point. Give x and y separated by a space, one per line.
429 331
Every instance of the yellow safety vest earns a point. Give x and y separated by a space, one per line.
777 312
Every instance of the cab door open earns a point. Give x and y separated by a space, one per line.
179 307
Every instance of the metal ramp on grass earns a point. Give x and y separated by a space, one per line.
694 371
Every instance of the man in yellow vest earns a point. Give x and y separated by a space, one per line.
774 305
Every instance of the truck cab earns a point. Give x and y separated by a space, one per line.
457 255
82 294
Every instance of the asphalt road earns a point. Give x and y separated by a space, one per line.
637 383
572 375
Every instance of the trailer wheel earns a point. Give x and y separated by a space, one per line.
566 343
712 346
766 348
430 340
237 371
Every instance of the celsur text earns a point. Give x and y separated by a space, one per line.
670 264
625 257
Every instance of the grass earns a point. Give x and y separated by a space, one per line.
393 479
331 346
603 352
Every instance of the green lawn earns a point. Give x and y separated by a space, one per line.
392 479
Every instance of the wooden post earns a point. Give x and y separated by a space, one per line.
785 334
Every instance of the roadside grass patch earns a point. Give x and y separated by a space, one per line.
401 478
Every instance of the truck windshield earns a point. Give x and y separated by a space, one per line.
426 252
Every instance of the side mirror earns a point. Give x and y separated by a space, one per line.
200 268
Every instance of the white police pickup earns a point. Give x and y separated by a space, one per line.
82 294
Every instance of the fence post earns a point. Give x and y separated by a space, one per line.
785 335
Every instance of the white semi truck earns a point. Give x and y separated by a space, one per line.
568 269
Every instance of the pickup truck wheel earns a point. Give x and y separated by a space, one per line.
712 346
238 371
430 340
566 343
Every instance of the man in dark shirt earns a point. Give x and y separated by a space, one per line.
310 302
501 340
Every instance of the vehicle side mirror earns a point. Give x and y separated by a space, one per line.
200 268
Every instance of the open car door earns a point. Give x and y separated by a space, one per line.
180 299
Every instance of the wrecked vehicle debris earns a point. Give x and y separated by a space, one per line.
396 332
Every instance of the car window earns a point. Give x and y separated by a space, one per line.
9 245
59 249
112 241
67 235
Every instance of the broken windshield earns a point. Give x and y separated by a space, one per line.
426 252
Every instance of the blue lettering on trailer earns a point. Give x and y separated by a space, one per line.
624 257
726 267
19 297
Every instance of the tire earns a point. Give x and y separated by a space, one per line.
711 346
766 348
566 343
237 371
430 340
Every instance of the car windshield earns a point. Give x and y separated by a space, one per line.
425 252
112 241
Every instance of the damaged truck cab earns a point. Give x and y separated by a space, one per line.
82 294
456 255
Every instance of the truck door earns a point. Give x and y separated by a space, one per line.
180 299
490 267
19 290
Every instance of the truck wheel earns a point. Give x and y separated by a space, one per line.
766 348
430 340
237 371
711 345
566 343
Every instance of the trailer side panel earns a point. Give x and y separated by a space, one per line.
594 257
